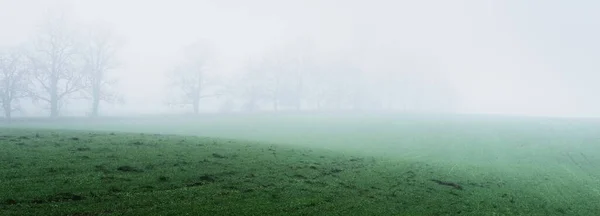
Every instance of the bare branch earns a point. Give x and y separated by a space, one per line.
55 64
13 85
189 79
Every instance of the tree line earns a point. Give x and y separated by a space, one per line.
64 62
61 62
293 78
287 79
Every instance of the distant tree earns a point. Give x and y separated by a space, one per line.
13 80
56 64
275 80
189 79
99 54
301 68
256 87
287 72
272 73
337 85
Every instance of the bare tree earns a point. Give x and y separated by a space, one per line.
57 71
282 75
189 79
13 80
257 85
301 65
99 54
273 80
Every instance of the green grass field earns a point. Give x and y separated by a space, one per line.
301 165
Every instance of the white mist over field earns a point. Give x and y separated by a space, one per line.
467 56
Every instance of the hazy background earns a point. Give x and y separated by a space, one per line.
470 56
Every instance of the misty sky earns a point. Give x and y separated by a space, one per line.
535 57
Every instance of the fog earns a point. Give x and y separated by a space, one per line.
537 58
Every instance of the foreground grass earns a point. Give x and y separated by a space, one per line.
58 172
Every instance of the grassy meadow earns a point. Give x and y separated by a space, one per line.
300 164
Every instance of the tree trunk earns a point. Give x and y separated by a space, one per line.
7 111
196 105
54 94
95 106
54 108
95 100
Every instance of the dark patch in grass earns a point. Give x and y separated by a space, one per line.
207 178
267 185
248 190
348 186
317 183
163 178
83 149
510 198
59 197
218 155
101 168
110 178
75 138
483 185
230 187
204 179
53 170
336 170
332 171
115 189
181 163
563 210
148 187
356 159
298 176
10 202
447 183
128 169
